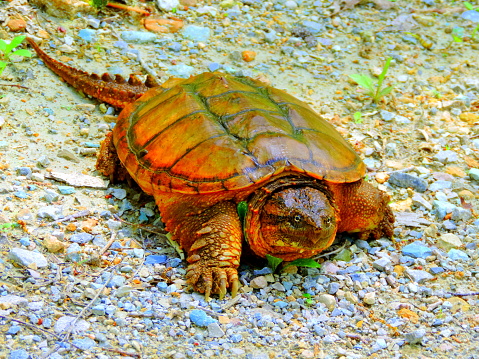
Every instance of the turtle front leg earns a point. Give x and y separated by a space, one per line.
211 236
215 251
364 209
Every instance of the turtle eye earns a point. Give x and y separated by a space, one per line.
297 218
327 221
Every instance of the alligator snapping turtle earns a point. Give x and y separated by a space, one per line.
201 145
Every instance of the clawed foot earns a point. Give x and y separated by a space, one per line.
384 229
205 278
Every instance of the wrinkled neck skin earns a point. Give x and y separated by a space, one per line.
291 218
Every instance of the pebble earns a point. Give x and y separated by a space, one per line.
138 37
200 318
259 282
415 337
442 208
66 190
418 276
19 354
382 264
456 254
167 5
88 35
448 241
63 323
28 258
196 33
53 213
474 174
407 180
181 70
370 298
215 331
447 156
84 343
416 250
81 238
328 300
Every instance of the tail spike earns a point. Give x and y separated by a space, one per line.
106 77
134 81
119 79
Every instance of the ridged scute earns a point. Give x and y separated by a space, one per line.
216 132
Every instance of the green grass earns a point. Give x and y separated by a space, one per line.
6 51
374 90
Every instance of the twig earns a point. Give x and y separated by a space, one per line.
141 226
463 294
128 8
15 85
108 245
71 326
73 216
31 326
329 253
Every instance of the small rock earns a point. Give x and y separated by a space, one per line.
81 238
19 354
68 155
63 324
382 263
442 208
415 337
181 70
456 254
259 282
200 318
139 37
416 250
461 214
406 180
28 258
370 298
215 331
83 343
333 287
54 245
197 33
10 300
474 174
156 258
17 24
88 35
448 241
419 201
66 190
447 156
167 5
418 276
118 193
328 300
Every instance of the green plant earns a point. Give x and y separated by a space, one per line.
469 6
274 262
4 227
307 299
374 90
7 48
98 4
358 117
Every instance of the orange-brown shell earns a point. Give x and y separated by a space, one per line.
215 132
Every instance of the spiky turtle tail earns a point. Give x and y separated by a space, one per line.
115 91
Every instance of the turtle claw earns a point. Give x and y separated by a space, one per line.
212 280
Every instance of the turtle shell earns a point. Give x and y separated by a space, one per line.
215 132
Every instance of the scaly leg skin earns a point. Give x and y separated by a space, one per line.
108 162
212 239
364 209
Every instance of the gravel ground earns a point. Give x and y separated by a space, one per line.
63 296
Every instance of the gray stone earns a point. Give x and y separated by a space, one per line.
416 250
68 155
328 300
259 282
10 299
333 287
448 241
446 156
278 286
53 213
474 174
415 337
63 324
442 208
81 238
84 343
439 185
215 331
418 276
456 254
419 201
406 180
27 258
370 298
461 214
382 263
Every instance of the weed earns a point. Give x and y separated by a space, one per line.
7 48
98 4
469 6
4 227
374 90
274 262
358 117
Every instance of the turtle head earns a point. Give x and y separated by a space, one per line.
294 222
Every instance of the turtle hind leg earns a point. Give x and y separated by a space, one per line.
108 162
